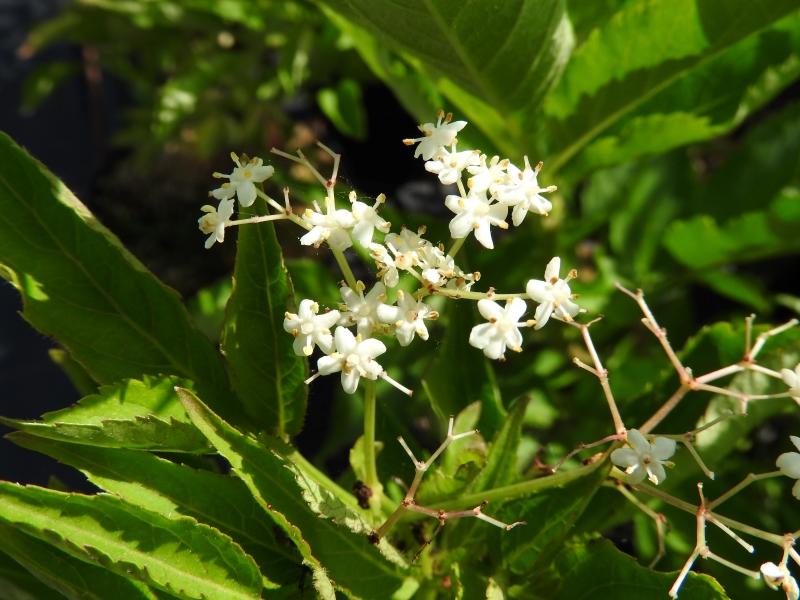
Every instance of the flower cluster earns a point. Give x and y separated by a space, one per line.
494 186
411 271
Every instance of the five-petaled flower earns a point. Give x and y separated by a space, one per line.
475 212
643 458
553 295
354 357
437 136
215 220
310 329
502 330
408 317
242 180
789 464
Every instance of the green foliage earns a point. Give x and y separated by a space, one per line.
79 285
672 129
266 372
170 488
179 556
579 563
72 578
449 395
328 543
144 415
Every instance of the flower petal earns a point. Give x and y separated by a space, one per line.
663 448
789 464
247 193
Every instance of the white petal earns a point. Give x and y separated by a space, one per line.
795 440
538 291
789 464
362 232
624 457
350 381
638 442
460 226
325 342
328 319
329 364
542 314
483 233
490 309
636 475
371 348
345 340
663 448
518 214
515 308
552 269
481 335
261 173
246 193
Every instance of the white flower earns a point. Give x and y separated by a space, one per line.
474 212
387 269
789 464
242 180
332 227
792 379
553 295
502 330
436 265
362 310
644 458
310 329
523 193
354 357
488 176
448 165
407 317
406 247
367 220
436 137
215 220
778 577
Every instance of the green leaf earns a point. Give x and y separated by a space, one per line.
75 579
17 584
492 61
207 308
79 285
143 415
618 68
449 394
266 373
549 517
352 562
82 381
509 64
596 569
709 100
344 106
701 243
501 460
179 556
168 488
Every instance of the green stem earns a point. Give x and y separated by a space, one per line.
456 246
523 488
347 272
370 466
